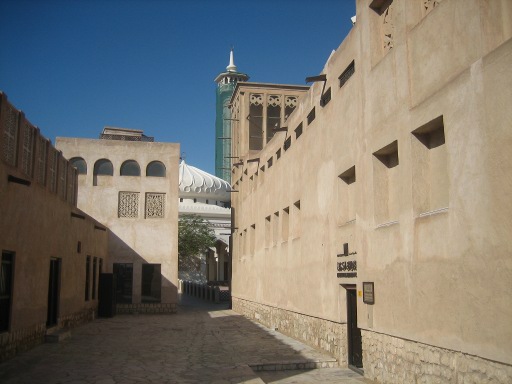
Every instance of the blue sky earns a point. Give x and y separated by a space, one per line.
76 66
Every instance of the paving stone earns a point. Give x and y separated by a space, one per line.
202 343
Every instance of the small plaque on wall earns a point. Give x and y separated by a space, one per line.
368 293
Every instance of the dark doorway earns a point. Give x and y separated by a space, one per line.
106 295
53 292
355 348
226 271
6 283
123 273
151 283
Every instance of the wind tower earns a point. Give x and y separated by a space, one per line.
226 82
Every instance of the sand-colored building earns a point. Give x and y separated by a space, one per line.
376 224
52 252
129 183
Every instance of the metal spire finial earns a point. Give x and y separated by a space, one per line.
231 67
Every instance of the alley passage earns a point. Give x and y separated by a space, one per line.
203 343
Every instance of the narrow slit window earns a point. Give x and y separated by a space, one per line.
311 116
430 171
347 74
287 143
326 97
298 131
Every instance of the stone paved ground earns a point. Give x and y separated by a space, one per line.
197 345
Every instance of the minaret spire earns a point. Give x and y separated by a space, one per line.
231 67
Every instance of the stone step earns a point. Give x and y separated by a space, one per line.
56 336
294 365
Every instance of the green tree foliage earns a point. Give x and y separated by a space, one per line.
194 238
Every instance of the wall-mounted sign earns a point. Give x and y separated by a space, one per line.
368 293
346 268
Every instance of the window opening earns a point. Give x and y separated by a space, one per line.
155 169
326 97
255 121
130 168
386 184
311 116
430 170
273 114
79 164
290 103
347 74
287 143
298 131
103 167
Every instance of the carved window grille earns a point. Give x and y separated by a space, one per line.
52 169
347 74
274 101
155 205
28 149
428 5
63 173
256 99
10 134
128 204
41 160
290 103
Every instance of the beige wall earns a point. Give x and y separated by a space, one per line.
37 223
431 230
133 240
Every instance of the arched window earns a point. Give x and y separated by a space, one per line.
156 169
103 167
130 168
79 164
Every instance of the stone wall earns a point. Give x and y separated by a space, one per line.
78 318
140 308
12 343
389 359
326 335
17 341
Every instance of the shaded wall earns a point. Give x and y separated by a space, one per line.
39 222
